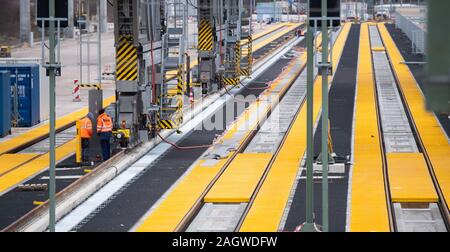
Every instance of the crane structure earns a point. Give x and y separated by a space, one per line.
151 59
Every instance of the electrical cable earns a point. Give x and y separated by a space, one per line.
183 147
238 99
268 85
190 3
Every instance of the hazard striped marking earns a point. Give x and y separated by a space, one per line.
205 36
126 60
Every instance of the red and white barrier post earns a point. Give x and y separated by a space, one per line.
191 96
76 91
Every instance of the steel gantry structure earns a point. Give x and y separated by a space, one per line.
224 42
152 66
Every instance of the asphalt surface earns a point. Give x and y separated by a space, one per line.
125 208
404 45
341 99
17 203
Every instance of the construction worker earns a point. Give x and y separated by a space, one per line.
86 134
104 131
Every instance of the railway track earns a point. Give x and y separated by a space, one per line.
214 198
195 219
408 208
177 160
341 114
281 32
260 55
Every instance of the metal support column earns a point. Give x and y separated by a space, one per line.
100 29
69 31
438 53
52 78
309 226
103 15
25 24
324 117
70 18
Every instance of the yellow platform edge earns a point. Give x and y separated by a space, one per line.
368 203
430 132
270 202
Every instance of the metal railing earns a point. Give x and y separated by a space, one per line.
410 26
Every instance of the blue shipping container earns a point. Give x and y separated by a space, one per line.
5 104
25 78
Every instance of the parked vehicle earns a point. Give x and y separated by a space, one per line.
5 52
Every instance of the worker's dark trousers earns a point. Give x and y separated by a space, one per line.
85 149
105 138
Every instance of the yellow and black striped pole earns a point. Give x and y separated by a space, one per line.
180 81
96 86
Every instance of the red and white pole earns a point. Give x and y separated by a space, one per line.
191 96
76 91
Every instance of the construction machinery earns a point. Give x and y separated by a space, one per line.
5 52
210 43
152 62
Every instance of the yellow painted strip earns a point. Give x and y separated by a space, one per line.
240 179
124 46
131 70
409 178
11 161
129 52
378 49
167 216
269 205
275 36
43 130
194 62
125 62
34 167
430 132
368 196
134 76
124 75
264 33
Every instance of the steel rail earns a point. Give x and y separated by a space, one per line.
443 205
36 214
183 225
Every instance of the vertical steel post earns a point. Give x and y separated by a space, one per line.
88 44
274 10
52 78
99 44
70 17
80 12
309 225
78 148
438 53
25 24
324 117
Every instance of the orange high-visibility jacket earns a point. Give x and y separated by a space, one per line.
86 128
104 123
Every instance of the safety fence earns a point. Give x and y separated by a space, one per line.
413 28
